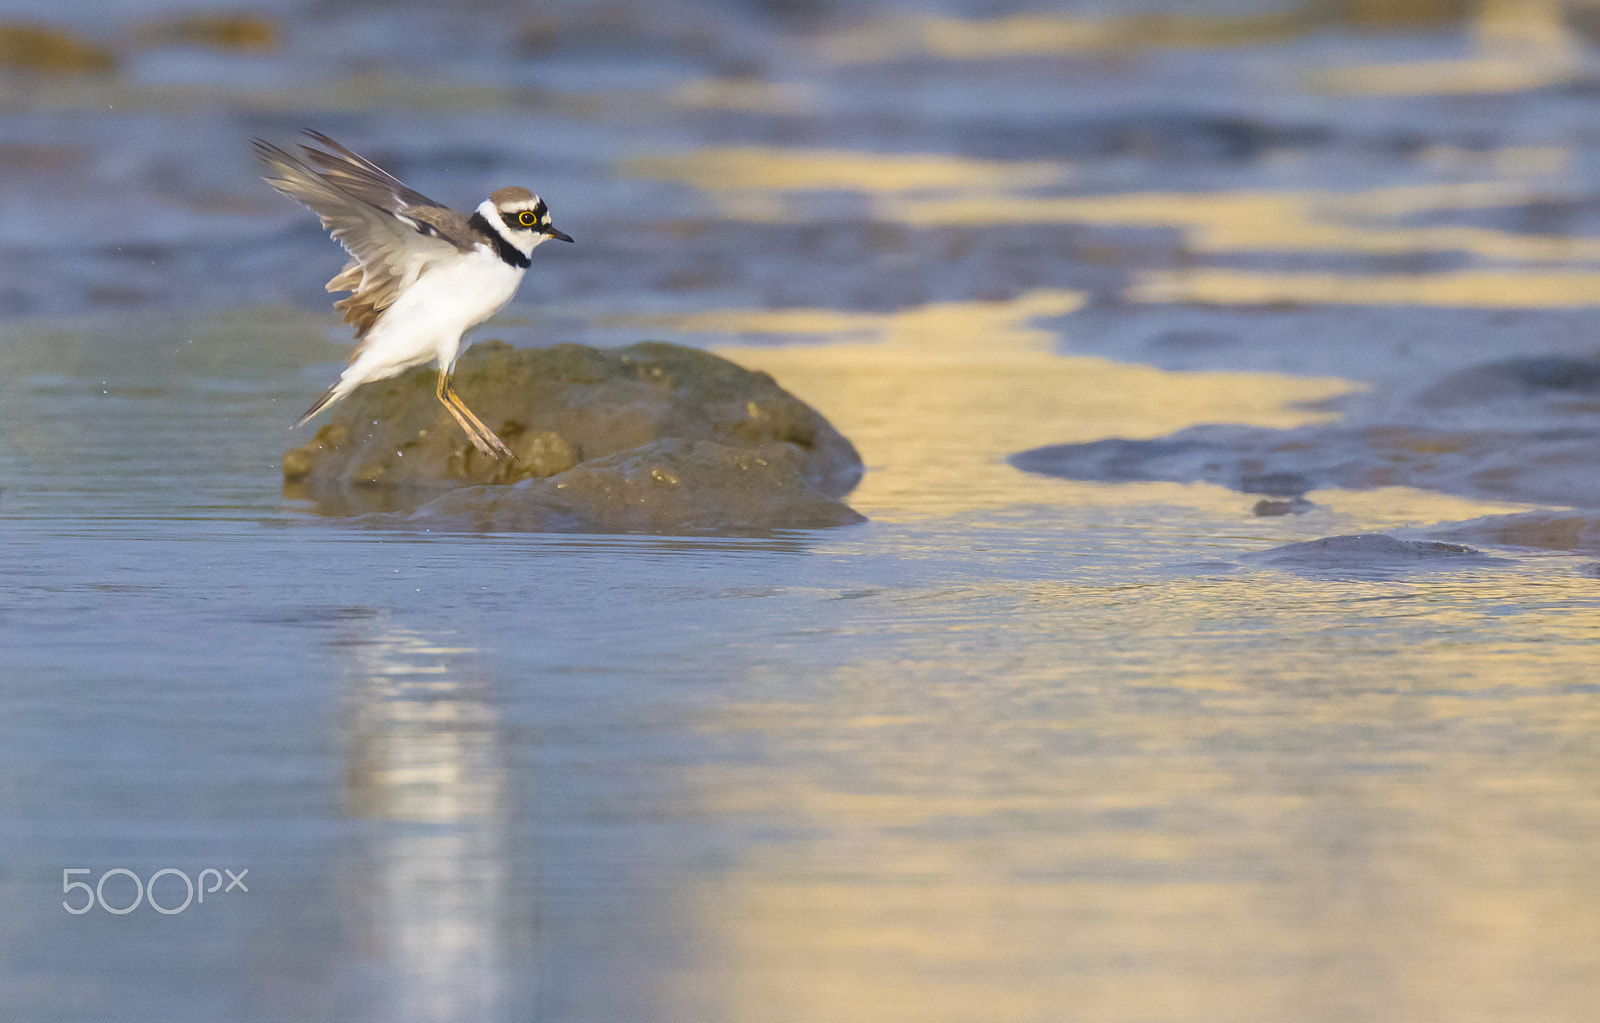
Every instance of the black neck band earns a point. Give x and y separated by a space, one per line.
507 252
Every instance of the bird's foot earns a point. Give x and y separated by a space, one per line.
494 447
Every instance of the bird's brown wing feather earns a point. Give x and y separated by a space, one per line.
391 232
359 176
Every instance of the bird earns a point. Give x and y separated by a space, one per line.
420 274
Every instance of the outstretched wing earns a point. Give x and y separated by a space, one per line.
392 233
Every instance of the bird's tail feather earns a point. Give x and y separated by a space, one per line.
329 396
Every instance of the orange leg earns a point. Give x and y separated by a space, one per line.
481 436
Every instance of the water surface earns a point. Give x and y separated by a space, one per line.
1023 747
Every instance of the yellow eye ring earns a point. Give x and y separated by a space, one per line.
527 219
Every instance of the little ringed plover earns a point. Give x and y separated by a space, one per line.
420 274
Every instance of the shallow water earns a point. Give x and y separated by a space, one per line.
1025 746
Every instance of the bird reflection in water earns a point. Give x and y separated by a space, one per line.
425 766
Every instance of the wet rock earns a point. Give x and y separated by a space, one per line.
569 412
37 48
1543 530
666 486
1293 506
1286 484
221 30
1530 377
1372 552
1282 464
1119 460
1557 464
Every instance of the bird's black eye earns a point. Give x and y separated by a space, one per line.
527 219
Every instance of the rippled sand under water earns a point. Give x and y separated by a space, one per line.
1025 746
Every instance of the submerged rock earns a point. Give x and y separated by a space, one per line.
1524 429
653 438
1559 465
1372 551
1282 464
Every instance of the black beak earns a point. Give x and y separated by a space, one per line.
560 236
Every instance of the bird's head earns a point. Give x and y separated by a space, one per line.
525 216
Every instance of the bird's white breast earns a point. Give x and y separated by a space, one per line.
475 287
449 298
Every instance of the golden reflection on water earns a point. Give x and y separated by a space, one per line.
1023 35
360 91
1248 796
758 168
1033 35
1518 45
1253 221
1326 830
1462 290
923 191
763 184
936 396
1385 508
